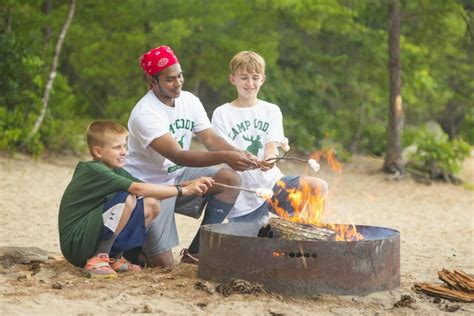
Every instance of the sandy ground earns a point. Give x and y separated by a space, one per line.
435 221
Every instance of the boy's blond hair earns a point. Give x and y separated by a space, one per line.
249 61
99 132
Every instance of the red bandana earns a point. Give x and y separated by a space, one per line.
158 59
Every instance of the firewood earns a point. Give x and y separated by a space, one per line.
457 279
279 228
443 291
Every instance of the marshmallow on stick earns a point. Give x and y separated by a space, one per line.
264 193
314 165
284 144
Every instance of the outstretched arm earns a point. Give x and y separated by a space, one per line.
213 141
271 151
167 146
196 187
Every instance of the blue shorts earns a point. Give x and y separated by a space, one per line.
134 233
281 194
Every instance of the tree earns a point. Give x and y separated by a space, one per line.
393 158
52 73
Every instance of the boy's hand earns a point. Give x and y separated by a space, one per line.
198 186
241 160
268 162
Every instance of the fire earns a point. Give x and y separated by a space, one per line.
328 154
308 203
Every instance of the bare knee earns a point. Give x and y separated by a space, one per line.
319 186
151 207
228 176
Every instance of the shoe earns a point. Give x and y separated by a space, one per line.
123 265
188 258
98 267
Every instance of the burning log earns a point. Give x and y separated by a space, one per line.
279 228
459 286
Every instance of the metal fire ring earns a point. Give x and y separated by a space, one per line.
301 267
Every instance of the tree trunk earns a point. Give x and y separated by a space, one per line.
451 118
52 73
393 158
48 29
7 22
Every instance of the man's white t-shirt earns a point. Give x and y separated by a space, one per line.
250 128
150 119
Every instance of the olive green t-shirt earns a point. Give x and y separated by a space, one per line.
80 211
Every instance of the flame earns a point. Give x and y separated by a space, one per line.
328 154
308 203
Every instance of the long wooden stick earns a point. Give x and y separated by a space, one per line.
234 187
275 159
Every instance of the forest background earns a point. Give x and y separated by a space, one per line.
327 67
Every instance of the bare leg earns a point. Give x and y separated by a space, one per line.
151 208
226 176
318 186
220 204
130 204
106 245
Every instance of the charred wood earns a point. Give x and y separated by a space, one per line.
279 228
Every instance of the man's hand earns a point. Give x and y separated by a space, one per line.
198 186
241 160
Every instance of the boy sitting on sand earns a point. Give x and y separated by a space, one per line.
102 211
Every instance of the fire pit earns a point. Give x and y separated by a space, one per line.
301 267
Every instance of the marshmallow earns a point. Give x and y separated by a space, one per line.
314 165
284 144
264 193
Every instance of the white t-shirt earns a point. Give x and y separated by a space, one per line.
250 129
150 119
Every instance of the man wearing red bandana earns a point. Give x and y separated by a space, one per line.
161 127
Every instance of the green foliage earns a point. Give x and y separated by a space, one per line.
436 151
327 64
467 126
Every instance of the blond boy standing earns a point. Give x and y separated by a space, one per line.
256 126
102 212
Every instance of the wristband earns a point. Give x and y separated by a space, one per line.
180 190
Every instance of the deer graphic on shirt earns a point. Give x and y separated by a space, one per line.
255 144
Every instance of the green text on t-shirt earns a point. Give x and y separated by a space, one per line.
181 124
245 125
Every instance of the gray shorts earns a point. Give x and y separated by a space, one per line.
162 234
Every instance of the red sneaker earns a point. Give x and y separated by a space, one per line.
123 265
98 267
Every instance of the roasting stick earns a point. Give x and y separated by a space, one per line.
311 162
275 159
260 192
234 187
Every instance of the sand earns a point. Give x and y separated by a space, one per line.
435 221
